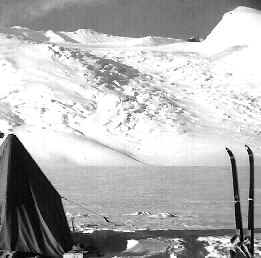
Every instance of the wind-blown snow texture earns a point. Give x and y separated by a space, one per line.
94 99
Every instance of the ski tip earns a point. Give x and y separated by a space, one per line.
246 146
249 151
230 153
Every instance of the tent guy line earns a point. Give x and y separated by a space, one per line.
87 209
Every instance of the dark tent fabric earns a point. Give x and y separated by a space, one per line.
32 214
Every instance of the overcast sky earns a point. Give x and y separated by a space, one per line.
174 18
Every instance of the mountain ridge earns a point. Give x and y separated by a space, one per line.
83 36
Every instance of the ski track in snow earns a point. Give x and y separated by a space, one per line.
155 100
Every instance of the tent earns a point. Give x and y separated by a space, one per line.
31 211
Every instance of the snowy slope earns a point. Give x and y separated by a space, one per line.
238 27
150 100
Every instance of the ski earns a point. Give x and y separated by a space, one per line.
251 200
238 214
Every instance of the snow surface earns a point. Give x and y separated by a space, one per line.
153 245
95 99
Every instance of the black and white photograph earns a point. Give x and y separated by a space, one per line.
130 128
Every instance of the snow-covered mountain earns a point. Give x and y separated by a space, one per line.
93 99
83 37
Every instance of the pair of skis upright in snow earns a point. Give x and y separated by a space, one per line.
238 214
